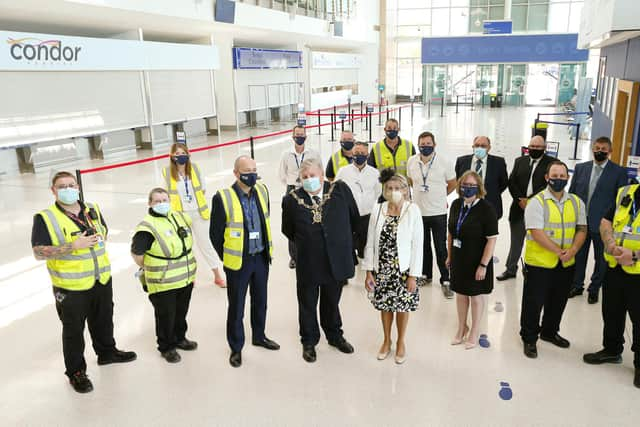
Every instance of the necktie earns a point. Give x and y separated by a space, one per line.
595 176
532 167
479 167
316 200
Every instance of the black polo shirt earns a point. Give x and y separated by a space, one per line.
40 233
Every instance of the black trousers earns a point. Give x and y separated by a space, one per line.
620 294
548 289
95 306
329 294
253 276
436 226
171 309
360 235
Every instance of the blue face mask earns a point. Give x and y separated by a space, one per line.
68 196
347 145
426 150
161 208
360 159
249 179
557 184
311 184
182 159
469 191
391 134
300 139
480 152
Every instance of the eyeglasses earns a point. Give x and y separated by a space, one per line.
62 186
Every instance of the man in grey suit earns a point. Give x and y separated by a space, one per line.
599 177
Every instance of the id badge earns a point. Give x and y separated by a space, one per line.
425 189
254 235
457 243
168 233
627 229
235 234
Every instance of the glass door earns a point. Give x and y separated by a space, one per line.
486 83
542 84
514 84
409 80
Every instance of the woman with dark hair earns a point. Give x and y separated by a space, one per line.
186 188
393 259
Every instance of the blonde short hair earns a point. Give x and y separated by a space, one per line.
481 190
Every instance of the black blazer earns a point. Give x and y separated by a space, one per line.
494 183
613 177
331 240
519 180
218 223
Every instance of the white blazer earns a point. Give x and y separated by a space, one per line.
409 239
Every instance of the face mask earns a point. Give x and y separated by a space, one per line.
249 179
600 156
535 153
557 184
480 152
360 159
182 159
391 134
426 150
299 139
347 145
394 196
68 196
469 191
311 184
161 208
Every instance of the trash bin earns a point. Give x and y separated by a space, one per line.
494 100
541 130
499 101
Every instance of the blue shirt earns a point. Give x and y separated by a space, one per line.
252 220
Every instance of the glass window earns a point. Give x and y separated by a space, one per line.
558 17
496 2
537 19
460 3
409 48
575 16
496 12
440 22
414 31
519 17
476 16
479 3
519 1
439 3
459 21
414 16
413 4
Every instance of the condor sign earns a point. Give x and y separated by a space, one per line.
45 52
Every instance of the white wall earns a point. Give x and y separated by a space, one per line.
600 17
191 9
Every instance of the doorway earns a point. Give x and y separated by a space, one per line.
542 84
626 103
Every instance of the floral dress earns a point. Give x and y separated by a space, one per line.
390 293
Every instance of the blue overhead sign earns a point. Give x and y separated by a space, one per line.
251 59
497 27
503 49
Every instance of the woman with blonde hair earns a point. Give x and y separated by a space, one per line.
473 229
186 188
393 259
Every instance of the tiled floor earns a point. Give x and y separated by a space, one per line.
438 385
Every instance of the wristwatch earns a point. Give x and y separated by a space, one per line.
483 265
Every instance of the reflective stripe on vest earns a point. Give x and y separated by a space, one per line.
80 269
621 219
386 159
338 161
559 227
196 183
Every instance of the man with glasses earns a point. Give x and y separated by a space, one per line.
70 235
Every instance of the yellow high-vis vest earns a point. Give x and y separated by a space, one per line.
169 263
80 269
338 160
196 182
621 219
385 158
234 231
560 228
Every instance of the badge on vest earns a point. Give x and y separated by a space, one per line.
168 233
235 234
457 243
627 229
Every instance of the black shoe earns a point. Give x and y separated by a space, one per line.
342 345
309 353
343 283
505 276
600 357
530 350
636 378
593 298
235 359
292 264
117 356
574 292
556 340
187 345
80 382
267 343
171 356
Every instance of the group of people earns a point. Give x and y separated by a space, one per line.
380 208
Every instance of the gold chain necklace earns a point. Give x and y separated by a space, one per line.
316 209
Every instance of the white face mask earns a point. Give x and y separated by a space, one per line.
396 197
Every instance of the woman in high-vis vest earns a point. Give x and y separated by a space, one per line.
556 224
162 247
185 184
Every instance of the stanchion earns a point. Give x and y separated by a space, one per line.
352 120
79 182
387 119
319 128
380 114
472 97
429 108
361 113
411 113
251 144
575 145
342 125
370 126
399 117
457 102
335 114
442 107
333 139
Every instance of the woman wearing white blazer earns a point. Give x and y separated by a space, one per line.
393 260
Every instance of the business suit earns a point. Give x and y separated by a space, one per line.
612 177
494 183
518 188
324 257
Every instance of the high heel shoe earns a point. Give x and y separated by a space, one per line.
401 359
382 355
468 345
457 341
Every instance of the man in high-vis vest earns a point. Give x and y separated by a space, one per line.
556 224
70 235
620 232
341 158
241 234
392 151
162 247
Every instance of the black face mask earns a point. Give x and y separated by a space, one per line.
600 156
536 153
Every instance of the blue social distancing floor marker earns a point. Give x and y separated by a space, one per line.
505 392
484 341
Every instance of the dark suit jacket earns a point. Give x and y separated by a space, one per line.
519 180
613 177
328 245
494 183
218 223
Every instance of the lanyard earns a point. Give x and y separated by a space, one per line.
248 199
461 218
295 156
186 185
634 213
426 176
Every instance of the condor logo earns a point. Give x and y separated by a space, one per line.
31 49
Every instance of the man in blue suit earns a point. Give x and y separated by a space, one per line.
599 177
